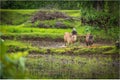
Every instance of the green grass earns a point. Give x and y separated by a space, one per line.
65 62
18 31
17 46
73 13
21 31
13 18
10 16
24 11
58 64
71 67
21 27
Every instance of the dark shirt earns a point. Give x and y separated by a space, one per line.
74 32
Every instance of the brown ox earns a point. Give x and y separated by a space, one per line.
89 39
69 38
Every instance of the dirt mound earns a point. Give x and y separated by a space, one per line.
48 15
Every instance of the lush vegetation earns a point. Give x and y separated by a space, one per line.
72 67
41 4
18 46
27 27
103 14
11 66
32 44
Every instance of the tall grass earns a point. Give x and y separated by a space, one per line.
71 67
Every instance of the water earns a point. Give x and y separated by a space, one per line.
73 67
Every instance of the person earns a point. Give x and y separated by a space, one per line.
74 34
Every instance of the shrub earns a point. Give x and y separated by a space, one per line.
11 66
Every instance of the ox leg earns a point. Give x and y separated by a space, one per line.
91 43
65 43
87 44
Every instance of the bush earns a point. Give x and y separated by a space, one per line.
11 66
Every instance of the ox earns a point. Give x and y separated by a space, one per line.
69 38
89 39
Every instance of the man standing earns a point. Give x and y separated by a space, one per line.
74 34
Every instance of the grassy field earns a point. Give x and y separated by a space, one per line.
74 61
70 62
25 31
21 32
20 46
20 25
72 67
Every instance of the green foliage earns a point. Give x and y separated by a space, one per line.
36 24
20 32
103 14
11 66
12 18
95 29
73 67
77 50
72 13
40 4
97 18
17 46
73 63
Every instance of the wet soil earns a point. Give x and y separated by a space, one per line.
57 44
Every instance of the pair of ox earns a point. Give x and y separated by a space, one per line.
69 39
